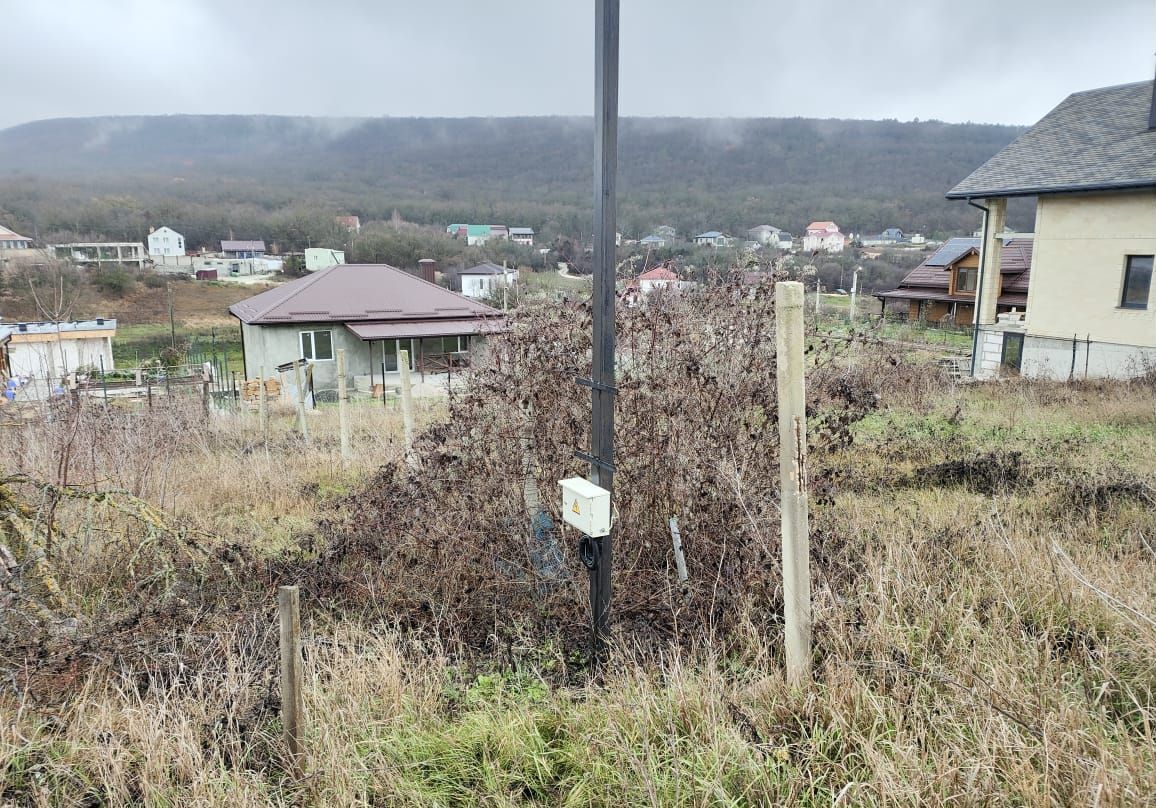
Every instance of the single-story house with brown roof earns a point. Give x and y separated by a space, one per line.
373 311
942 288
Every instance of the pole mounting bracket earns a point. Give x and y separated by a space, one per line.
594 461
593 385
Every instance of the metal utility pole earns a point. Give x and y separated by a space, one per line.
602 388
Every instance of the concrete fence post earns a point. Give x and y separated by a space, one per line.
292 702
343 407
793 480
301 424
263 407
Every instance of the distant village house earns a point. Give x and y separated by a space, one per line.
48 352
11 240
14 246
768 236
101 253
658 279
165 242
522 235
485 280
321 257
823 237
373 311
892 235
942 289
712 238
242 249
351 223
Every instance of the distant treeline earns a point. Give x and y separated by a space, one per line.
282 179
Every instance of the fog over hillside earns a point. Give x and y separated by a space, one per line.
694 173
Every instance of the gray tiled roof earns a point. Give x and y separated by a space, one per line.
1094 140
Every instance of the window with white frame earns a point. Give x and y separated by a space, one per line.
317 345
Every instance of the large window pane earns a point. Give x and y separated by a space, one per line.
322 344
965 279
1137 282
306 344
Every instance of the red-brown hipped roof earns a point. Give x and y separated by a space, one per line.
829 227
359 292
658 274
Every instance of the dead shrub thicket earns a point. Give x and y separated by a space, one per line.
448 545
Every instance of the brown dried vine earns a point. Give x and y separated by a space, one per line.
448 546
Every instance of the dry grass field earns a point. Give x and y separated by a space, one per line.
987 637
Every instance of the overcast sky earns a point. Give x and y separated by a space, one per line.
997 61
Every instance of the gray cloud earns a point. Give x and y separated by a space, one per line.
983 60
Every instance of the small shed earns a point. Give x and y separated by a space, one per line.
206 274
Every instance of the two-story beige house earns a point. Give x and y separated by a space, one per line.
1091 312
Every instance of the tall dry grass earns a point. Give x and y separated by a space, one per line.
995 645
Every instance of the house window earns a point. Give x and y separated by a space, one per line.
1137 282
966 279
317 345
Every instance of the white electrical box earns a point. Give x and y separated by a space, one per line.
586 507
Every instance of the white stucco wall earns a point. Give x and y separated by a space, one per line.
320 258
482 286
832 243
166 242
1081 245
54 358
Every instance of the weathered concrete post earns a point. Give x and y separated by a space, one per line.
301 424
206 380
793 480
343 407
263 408
854 293
406 402
292 703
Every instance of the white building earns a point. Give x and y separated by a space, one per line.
165 242
770 236
98 253
11 240
321 257
47 352
15 247
712 238
823 237
485 280
659 278
522 235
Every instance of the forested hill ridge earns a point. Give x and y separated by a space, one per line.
695 174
